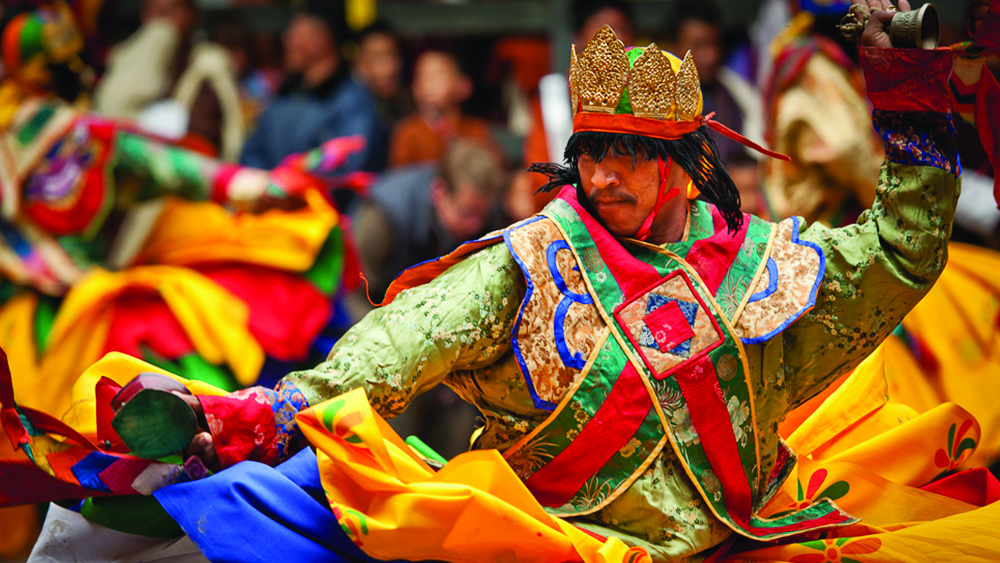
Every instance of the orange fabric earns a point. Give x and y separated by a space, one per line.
474 509
625 123
414 141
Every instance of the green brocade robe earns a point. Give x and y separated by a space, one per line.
457 330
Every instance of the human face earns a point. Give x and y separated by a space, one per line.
466 213
704 42
379 64
306 40
607 16
438 84
624 193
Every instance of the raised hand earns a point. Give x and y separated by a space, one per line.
876 32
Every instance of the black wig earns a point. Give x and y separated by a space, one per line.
695 152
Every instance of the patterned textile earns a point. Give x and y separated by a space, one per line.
932 143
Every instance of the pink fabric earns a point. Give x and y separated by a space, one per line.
713 256
120 475
632 275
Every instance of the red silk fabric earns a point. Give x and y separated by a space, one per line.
657 129
613 425
242 427
287 312
699 384
626 123
907 79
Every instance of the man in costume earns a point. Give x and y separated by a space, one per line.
632 348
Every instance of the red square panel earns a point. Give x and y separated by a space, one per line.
668 326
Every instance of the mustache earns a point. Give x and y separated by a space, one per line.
613 195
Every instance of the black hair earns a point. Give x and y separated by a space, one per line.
378 27
685 11
331 13
695 152
582 10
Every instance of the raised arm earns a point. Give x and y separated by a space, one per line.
880 267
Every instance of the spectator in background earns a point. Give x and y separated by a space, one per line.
591 15
319 100
420 212
173 85
696 26
439 88
379 66
588 17
416 214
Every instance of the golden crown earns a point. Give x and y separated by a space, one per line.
660 86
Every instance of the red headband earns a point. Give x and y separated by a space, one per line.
669 130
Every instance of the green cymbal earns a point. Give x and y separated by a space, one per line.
155 424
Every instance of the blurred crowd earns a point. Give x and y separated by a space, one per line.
449 123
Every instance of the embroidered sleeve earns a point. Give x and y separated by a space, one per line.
880 267
909 90
461 320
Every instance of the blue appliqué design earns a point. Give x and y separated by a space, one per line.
821 271
915 138
772 282
539 402
570 359
88 470
286 401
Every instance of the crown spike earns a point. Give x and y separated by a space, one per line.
602 72
574 86
687 90
651 85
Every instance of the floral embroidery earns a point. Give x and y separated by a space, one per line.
592 494
799 267
918 138
834 491
739 413
541 252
